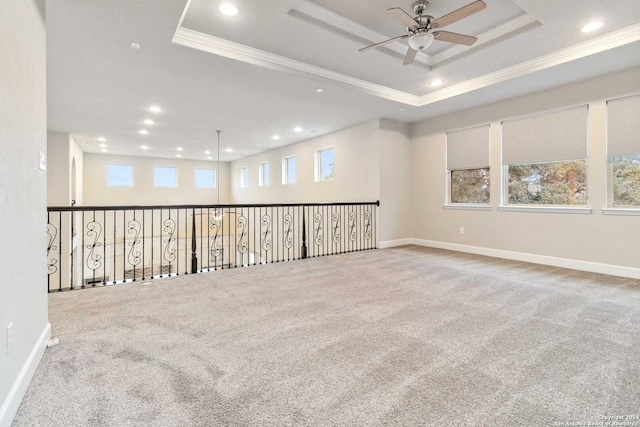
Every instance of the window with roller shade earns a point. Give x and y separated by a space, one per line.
623 151
468 166
544 158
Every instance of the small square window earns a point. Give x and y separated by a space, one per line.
165 176
119 175
264 174
289 170
244 177
205 178
324 165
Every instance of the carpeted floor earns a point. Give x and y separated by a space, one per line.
404 336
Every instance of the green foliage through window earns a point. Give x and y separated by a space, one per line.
470 186
555 183
626 180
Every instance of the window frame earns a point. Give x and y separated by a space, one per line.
285 170
123 185
155 169
318 173
244 177
262 182
195 177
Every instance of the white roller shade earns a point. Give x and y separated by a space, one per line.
623 126
468 149
561 135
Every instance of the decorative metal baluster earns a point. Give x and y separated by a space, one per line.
82 253
144 238
265 234
288 234
336 230
134 257
241 245
52 233
169 253
194 256
94 259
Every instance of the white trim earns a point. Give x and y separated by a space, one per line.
573 264
467 207
394 243
621 211
219 46
547 209
11 404
239 52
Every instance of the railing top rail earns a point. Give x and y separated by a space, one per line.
218 206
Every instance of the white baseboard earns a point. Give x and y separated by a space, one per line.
394 243
12 402
593 267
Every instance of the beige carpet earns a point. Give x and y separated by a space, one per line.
405 336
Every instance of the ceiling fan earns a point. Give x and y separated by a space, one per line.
424 29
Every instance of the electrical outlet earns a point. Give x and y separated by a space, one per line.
9 337
461 230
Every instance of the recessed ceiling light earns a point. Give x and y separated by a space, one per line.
209 158
298 129
179 148
228 150
319 90
101 139
228 9
178 155
207 152
149 122
143 132
104 150
155 109
436 82
144 147
275 137
592 26
103 145
135 45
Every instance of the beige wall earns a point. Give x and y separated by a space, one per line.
356 173
62 151
96 192
594 238
23 132
371 163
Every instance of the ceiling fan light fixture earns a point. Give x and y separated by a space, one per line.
420 41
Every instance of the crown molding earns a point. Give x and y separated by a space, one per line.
218 46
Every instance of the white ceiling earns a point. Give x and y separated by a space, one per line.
255 75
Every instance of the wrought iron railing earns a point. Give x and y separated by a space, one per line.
105 245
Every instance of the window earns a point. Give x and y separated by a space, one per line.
289 170
324 165
205 178
119 175
553 183
244 177
468 166
623 151
544 158
264 174
165 176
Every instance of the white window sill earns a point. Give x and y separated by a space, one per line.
467 207
547 209
621 211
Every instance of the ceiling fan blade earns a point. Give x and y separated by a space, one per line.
403 17
410 56
459 14
447 36
383 43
